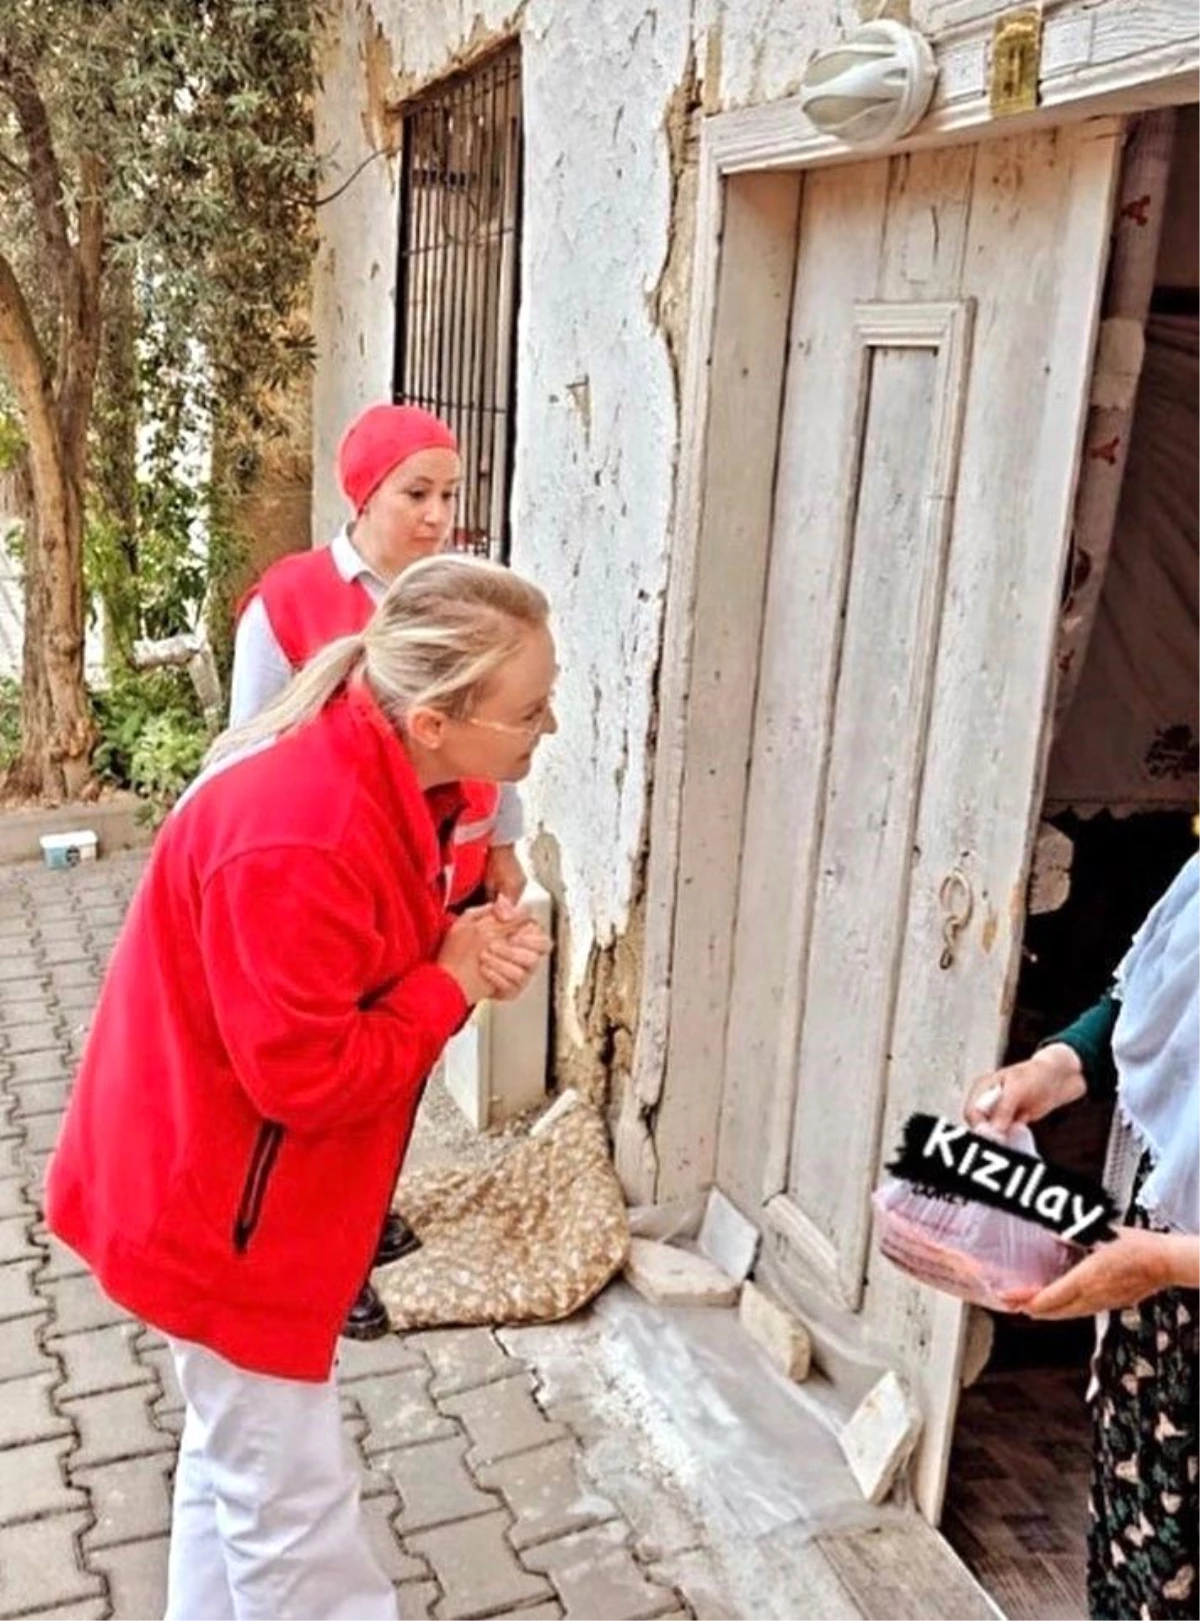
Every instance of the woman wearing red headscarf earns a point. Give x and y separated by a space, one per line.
399 468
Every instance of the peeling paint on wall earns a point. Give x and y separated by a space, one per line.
612 95
669 301
381 128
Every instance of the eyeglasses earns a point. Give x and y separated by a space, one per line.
531 728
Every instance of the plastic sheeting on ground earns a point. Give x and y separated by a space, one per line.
766 1450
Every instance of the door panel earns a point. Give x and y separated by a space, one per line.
942 330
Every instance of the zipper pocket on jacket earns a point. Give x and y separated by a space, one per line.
262 1162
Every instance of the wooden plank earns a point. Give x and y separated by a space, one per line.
925 236
1034 263
907 1572
911 410
1105 82
889 650
1121 32
840 224
749 347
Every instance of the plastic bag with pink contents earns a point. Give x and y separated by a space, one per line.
968 1249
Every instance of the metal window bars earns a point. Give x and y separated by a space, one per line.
458 280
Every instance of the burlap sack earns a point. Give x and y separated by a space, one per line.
529 1238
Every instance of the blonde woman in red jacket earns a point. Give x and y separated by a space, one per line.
286 977
400 470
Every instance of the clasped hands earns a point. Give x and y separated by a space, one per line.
493 950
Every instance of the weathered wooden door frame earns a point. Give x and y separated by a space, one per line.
752 164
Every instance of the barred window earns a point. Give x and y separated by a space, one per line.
459 276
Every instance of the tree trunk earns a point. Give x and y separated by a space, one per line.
57 730
111 564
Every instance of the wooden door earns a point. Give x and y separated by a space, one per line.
942 328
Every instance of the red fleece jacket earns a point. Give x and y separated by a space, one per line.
264 1031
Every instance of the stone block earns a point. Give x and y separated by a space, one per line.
727 1238
416 1600
78 1303
547 1493
434 1484
380 1514
12 1198
366 1359
47 1064
39 1036
42 1097
675 1277
136 1574
463 1359
399 1411
41 1133
131 1500
783 1337
114 1425
879 1437
501 1418
20 1349
595 1574
32 1483
15 1241
101 1359
18 1297
661 1524
477 1571
40 1568
27 1412
60 1262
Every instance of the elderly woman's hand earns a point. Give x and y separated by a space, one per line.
1022 1093
1120 1273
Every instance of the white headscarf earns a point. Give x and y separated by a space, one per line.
1156 1044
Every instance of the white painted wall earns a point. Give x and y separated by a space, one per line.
355 276
597 408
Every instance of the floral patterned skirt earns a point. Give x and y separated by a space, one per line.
1142 1544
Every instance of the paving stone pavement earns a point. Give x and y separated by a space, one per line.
479 1501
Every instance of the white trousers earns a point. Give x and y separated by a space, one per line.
267 1524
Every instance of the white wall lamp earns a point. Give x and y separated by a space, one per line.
871 88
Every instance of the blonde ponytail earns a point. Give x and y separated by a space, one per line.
305 695
442 630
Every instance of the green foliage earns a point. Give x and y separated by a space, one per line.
10 721
199 115
12 440
152 736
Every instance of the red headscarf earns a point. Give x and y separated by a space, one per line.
379 439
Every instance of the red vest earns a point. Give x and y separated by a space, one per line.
310 605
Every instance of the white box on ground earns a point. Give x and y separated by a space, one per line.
495 1067
68 849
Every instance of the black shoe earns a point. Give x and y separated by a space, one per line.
367 1318
396 1239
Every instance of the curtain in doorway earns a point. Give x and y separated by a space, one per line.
1137 230
1131 743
